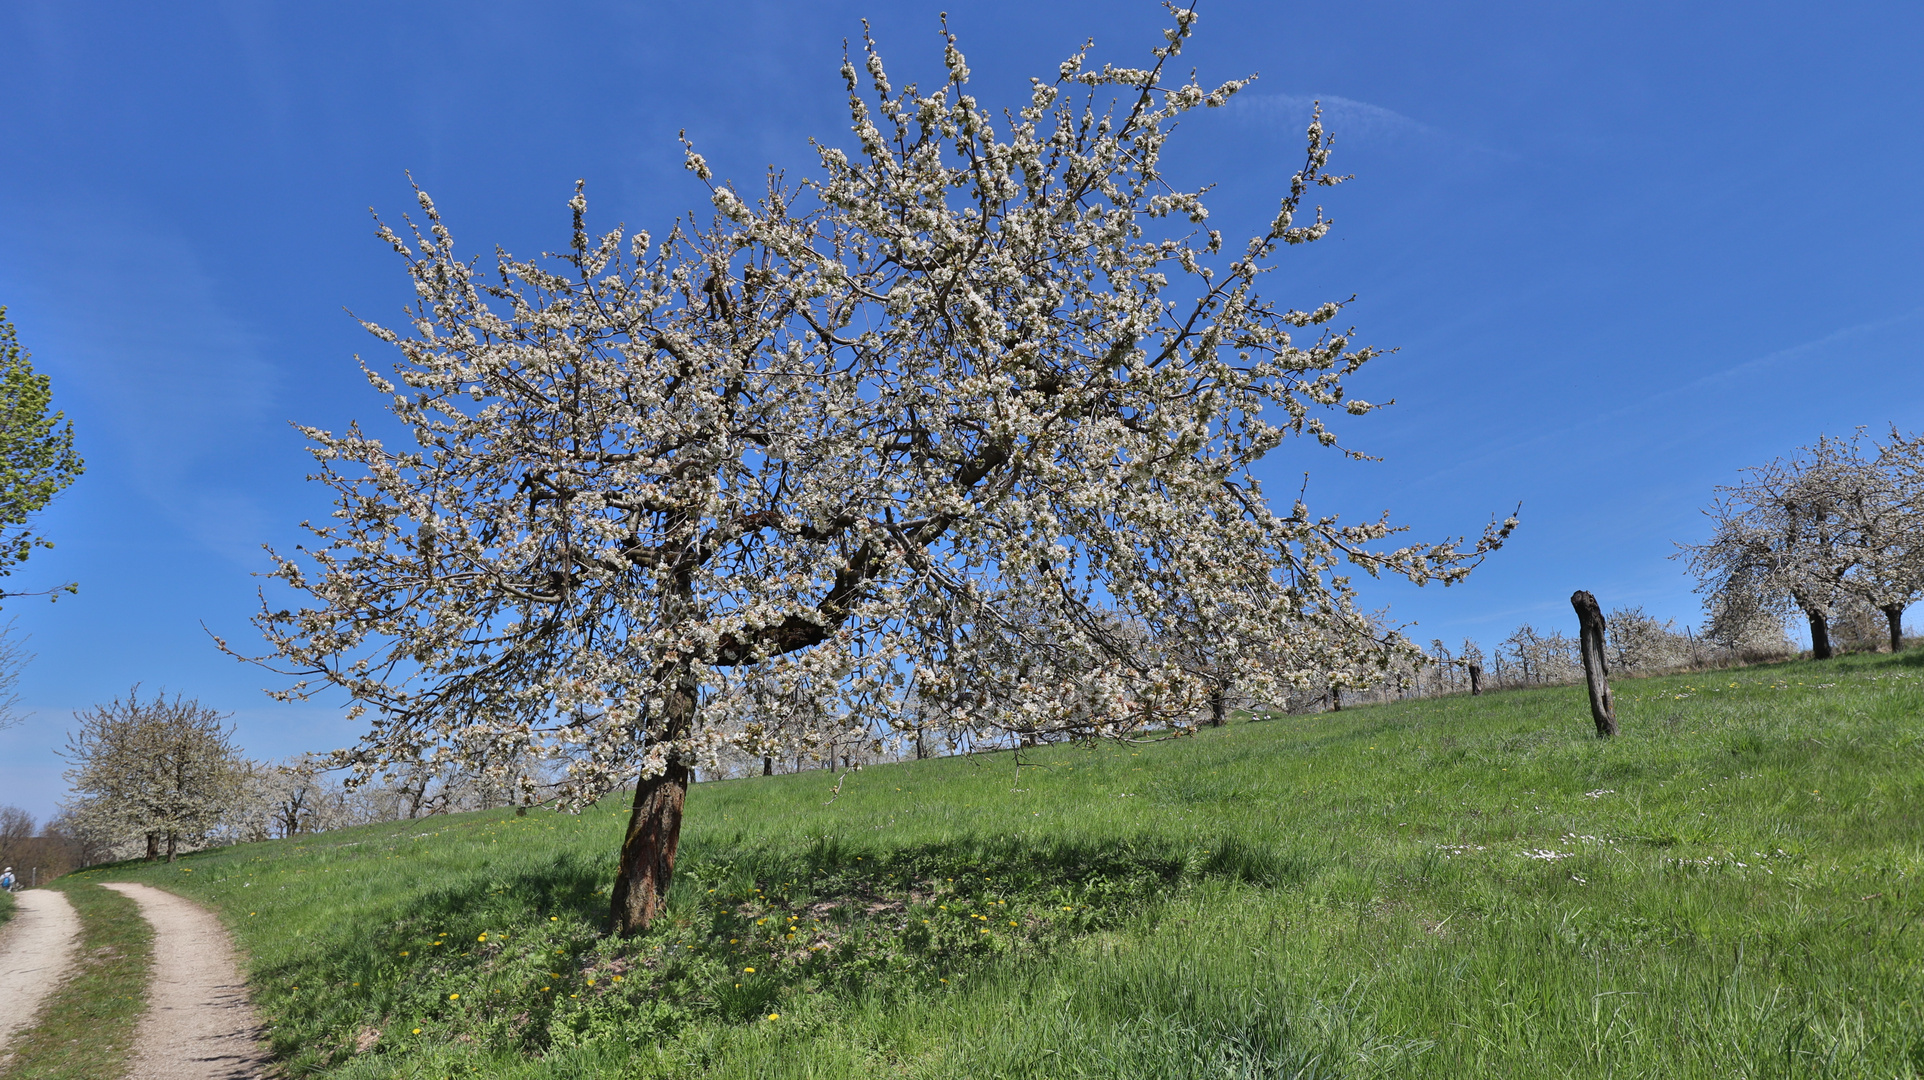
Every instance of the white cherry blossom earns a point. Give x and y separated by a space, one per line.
959 433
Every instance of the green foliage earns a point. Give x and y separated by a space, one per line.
86 1028
37 459
1437 888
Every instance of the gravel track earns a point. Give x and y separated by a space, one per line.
199 1024
36 953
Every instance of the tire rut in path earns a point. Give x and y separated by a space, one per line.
199 1024
36 954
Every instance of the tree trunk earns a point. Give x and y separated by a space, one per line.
1476 679
1819 635
153 845
1596 673
172 838
1335 699
654 828
768 765
921 749
1894 614
1218 707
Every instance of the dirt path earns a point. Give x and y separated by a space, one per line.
36 947
199 1024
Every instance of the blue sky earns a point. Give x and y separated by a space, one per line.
1623 250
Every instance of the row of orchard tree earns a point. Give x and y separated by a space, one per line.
154 776
1635 643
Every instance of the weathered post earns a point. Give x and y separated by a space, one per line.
1476 678
1595 671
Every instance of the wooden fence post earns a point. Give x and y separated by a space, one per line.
1595 671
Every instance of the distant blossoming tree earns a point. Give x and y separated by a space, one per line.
961 429
1537 657
1881 499
1821 527
159 770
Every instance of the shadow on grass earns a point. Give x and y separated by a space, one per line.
525 949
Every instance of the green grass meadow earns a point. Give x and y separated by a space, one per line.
1450 887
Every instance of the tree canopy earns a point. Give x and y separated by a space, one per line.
158 770
1826 525
961 429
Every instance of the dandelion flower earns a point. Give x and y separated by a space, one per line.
748 971
774 1016
451 997
417 1031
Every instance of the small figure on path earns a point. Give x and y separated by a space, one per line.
7 880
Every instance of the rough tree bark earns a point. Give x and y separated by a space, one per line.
1476 679
654 828
1335 699
1894 615
1819 634
768 765
1595 671
153 846
1218 707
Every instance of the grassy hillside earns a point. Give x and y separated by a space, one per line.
1461 887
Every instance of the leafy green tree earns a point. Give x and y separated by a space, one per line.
37 459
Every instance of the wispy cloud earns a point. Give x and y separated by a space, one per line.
179 387
1762 370
1344 117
